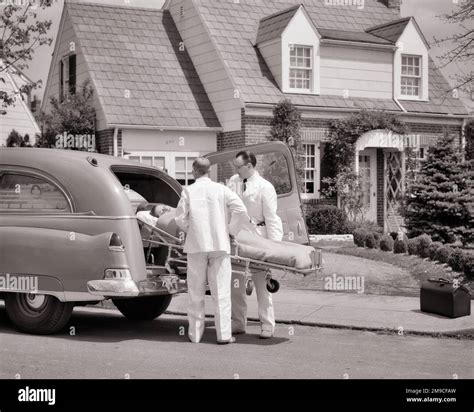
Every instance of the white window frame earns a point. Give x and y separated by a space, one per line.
65 75
315 170
412 76
309 70
170 160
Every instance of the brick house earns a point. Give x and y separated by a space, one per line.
211 71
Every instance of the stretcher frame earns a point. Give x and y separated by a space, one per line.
250 266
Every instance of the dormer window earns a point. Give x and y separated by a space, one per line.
301 67
411 76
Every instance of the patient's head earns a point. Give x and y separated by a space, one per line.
160 210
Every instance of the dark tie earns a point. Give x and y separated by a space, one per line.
245 185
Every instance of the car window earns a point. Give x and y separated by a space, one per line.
271 166
23 193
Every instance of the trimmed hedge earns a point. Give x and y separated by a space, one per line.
327 220
370 241
424 242
386 243
359 237
433 249
468 263
400 247
443 253
413 245
456 260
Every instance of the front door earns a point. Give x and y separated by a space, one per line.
368 174
274 163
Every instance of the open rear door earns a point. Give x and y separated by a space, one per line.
275 163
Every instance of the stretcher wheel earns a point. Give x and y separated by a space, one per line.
273 286
249 287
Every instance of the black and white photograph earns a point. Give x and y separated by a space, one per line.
275 197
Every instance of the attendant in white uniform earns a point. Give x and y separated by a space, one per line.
260 198
204 213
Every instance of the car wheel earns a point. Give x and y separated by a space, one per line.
37 314
147 308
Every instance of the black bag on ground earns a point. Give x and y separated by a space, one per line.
442 297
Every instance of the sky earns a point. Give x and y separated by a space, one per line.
426 12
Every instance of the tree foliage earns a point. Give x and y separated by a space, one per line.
21 33
286 127
440 201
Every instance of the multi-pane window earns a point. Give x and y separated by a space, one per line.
184 170
68 76
310 169
301 67
411 76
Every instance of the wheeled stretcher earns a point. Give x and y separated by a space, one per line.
250 254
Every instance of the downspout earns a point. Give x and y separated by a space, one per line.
115 153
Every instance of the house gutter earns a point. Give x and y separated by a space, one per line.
170 128
356 109
364 45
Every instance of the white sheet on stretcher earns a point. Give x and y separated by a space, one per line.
287 254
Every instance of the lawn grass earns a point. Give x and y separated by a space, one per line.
420 269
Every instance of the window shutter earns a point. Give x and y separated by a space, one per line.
72 74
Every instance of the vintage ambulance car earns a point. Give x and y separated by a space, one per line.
69 235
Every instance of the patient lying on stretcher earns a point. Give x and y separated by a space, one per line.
245 244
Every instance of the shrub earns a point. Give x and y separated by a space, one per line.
456 260
424 242
443 253
359 237
370 241
327 220
468 263
400 246
413 245
386 244
377 237
433 248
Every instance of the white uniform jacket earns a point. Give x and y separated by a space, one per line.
204 212
260 199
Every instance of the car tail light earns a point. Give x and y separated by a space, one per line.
117 274
116 244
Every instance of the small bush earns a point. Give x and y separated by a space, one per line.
456 260
443 253
386 244
413 245
365 225
327 220
400 246
359 237
370 241
377 237
433 248
424 242
468 263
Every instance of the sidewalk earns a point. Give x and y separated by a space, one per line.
352 311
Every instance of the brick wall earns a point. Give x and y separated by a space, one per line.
105 141
437 131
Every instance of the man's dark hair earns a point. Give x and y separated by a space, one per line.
247 157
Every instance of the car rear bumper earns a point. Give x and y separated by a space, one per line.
159 285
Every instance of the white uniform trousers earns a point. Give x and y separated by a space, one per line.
266 313
215 268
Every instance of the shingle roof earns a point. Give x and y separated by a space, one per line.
390 31
352 36
138 50
234 27
273 26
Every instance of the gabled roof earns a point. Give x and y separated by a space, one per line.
233 27
393 30
138 50
272 27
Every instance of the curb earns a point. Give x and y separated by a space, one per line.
462 334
